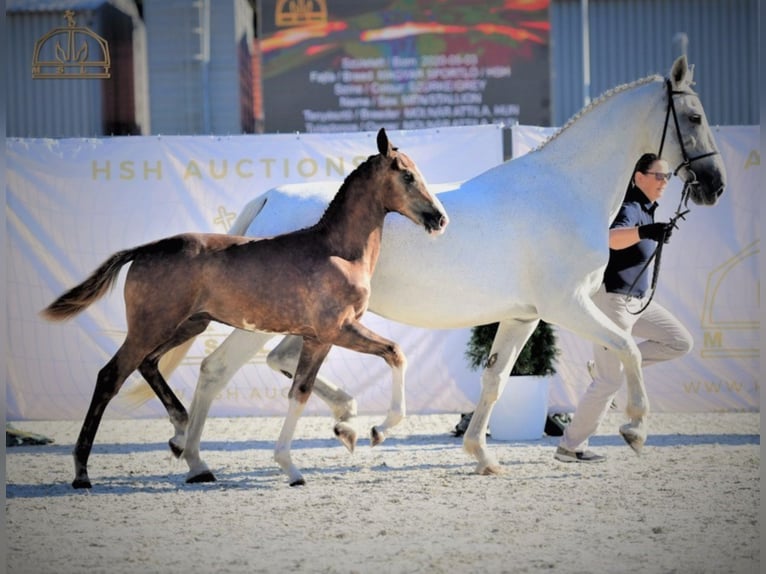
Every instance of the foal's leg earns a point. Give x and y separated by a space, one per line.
508 343
110 379
313 353
150 370
357 337
216 370
284 358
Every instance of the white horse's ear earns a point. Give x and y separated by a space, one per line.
680 73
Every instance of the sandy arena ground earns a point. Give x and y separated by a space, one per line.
689 504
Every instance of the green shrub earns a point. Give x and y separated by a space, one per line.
537 357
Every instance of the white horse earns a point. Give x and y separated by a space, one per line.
528 241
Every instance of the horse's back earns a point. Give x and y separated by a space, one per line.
290 207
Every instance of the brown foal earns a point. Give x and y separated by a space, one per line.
314 283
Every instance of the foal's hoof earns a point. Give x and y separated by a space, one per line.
300 482
376 437
634 439
81 483
206 476
346 435
175 449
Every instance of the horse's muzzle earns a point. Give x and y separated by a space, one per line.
435 223
709 195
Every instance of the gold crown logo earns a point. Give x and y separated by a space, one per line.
73 59
300 12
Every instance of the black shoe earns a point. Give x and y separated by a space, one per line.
565 455
556 423
461 427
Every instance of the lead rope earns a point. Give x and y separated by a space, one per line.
680 214
657 255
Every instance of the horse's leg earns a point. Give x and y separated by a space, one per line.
357 337
588 320
510 339
313 353
151 370
284 359
216 370
110 379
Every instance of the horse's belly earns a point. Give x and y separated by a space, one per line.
418 292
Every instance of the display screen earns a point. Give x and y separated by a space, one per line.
351 65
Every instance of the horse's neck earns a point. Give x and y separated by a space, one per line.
601 148
352 225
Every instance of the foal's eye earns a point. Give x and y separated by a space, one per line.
695 119
408 176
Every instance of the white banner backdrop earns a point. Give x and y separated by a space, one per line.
709 278
73 202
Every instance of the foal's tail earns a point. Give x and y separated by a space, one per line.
94 287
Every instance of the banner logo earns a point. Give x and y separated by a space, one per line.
730 331
71 52
300 12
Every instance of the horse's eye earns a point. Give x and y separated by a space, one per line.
695 119
408 177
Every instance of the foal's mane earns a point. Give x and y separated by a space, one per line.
594 103
361 171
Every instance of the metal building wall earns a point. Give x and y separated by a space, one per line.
230 74
175 69
46 107
194 68
76 107
630 39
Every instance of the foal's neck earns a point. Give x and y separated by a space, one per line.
352 225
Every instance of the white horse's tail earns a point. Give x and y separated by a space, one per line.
141 393
248 213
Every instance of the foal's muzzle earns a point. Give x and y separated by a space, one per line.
435 222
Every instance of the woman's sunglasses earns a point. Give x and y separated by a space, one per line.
660 176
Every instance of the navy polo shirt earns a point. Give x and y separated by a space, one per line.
625 265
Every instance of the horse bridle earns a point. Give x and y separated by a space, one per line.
687 161
685 192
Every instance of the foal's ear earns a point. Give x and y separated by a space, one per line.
384 146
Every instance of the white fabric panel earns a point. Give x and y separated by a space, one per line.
73 202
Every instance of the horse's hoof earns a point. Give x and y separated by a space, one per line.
206 476
492 469
346 435
176 450
376 437
81 483
299 482
634 439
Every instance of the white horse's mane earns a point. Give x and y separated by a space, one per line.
602 98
